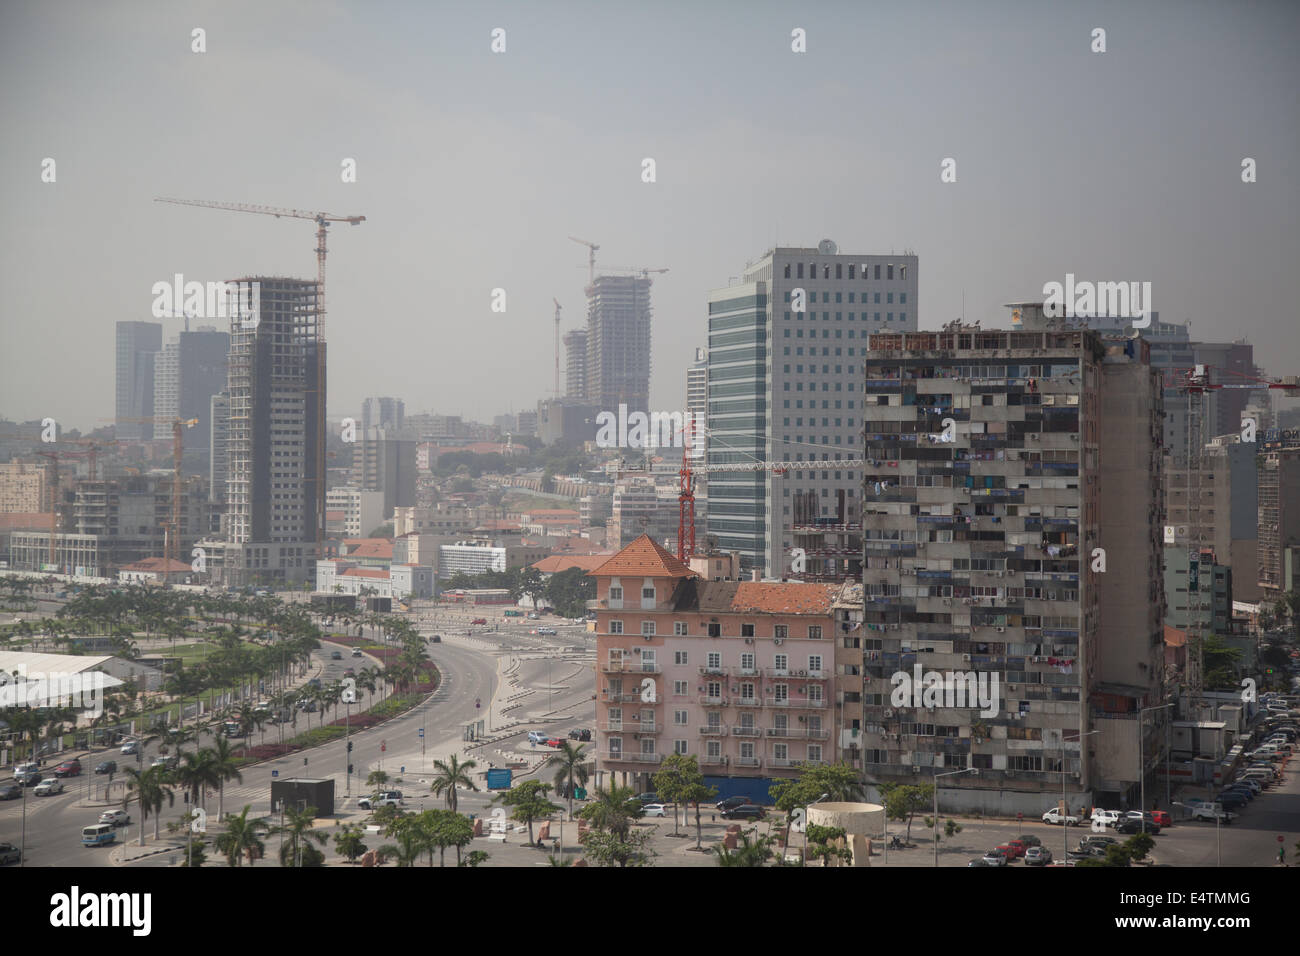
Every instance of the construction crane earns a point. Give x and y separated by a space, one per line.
635 270
591 260
1196 382
557 346
322 220
173 525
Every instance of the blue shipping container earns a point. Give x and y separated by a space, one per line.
499 779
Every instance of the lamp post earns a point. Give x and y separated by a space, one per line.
936 804
1142 766
1218 812
1065 825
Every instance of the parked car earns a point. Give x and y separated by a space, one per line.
538 736
383 798
1162 817
1094 840
1108 817
1134 825
10 791
106 766
547 630
730 803
653 810
130 747
1029 840
1012 851
580 733
553 742
479 620
9 854
1038 856
117 818
49 787
30 778
1212 813
1137 816
336 655
1054 816
997 857
746 811
69 768
982 861
356 652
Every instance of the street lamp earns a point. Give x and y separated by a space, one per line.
1142 766
1218 812
936 804
1065 825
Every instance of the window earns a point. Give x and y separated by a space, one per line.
747 630
814 693
679 657
648 594
715 629
680 717
714 660
679 688
713 750
815 752
814 662
615 593
814 632
647 628
615 718
679 747
781 692
747 750
781 751
747 691
747 662
713 689
781 662
616 627
781 631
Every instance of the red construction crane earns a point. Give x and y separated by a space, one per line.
322 220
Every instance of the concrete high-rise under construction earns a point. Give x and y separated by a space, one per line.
618 342
575 380
275 387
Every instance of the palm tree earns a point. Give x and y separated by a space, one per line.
150 787
224 768
753 852
571 771
298 828
450 774
613 810
196 773
241 838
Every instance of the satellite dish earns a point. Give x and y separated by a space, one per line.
827 248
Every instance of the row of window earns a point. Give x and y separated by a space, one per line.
713 628
839 271
713 749
796 315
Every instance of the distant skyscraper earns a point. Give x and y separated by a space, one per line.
271 444
774 395
384 464
697 389
382 413
575 382
188 371
137 343
618 343
218 458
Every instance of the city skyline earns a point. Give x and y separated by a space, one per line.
1124 198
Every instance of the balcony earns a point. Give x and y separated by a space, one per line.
747 731
630 666
780 762
797 733
749 761
708 761
720 671
623 698
611 727
747 672
713 730
713 702
621 757
747 702
644 727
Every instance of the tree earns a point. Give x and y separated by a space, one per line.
443 829
677 780
903 801
295 851
224 768
568 591
377 779
753 850
473 858
349 843
570 763
195 852
828 843
242 838
529 803
612 810
448 775
693 793
150 787
1139 845
383 531
606 848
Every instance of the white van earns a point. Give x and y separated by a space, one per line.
98 834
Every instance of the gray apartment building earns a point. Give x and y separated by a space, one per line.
137 343
618 343
188 371
999 462
785 353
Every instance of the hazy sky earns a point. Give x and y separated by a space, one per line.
473 167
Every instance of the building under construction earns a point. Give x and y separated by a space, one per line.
275 385
618 342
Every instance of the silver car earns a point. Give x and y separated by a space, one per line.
1038 856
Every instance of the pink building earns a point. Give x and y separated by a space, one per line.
739 673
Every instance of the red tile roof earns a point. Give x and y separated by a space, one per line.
156 565
784 597
1175 637
365 573
369 547
562 562
644 558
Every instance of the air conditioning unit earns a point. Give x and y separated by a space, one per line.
1032 436
636 650
726 760
915 769
777 640
700 689
947 601
889 712
735 690
803 720
1002 630
803 673
965 658
1074 436
1011 687
749 640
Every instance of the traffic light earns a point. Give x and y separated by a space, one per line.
349 746
349 770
